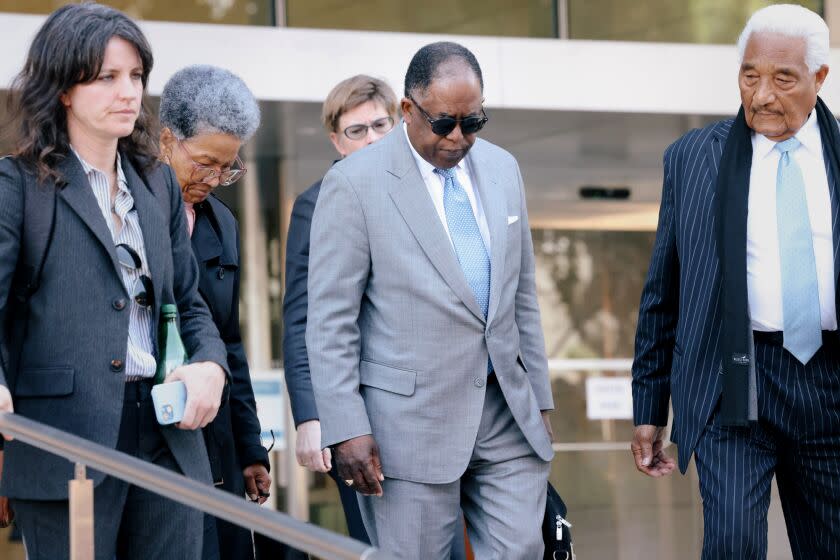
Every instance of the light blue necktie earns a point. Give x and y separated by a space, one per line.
466 238
800 291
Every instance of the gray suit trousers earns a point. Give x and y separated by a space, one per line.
502 494
131 523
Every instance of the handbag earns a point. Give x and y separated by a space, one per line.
555 529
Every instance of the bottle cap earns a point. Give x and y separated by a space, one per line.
169 310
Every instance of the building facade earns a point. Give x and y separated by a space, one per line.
585 93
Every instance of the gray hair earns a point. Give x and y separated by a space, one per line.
793 21
202 98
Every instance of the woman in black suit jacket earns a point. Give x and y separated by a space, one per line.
206 114
78 342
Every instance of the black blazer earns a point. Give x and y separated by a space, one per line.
295 360
71 371
233 438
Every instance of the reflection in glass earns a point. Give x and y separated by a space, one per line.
509 18
589 284
238 12
687 21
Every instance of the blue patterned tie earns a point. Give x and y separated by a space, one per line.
800 292
466 237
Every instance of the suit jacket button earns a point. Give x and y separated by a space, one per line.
478 382
118 304
221 273
117 365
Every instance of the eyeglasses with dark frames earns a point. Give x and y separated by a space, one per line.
444 125
204 173
359 131
143 292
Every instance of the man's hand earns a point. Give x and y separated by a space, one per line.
547 421
6 513
647 451
308 448
6 404
257 482
358 460
204 382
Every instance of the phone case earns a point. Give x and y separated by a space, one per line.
169 400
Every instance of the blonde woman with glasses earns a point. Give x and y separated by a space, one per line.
357 112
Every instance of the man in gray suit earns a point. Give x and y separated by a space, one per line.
424 339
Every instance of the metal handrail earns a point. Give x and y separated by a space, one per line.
279 526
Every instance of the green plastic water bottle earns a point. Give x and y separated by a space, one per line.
172 353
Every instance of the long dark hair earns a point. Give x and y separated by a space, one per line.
69 49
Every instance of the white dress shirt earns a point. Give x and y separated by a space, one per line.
764 277
434 183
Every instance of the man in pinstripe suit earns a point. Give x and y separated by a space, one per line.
738 317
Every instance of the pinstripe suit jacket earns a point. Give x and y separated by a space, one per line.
71 373
678 335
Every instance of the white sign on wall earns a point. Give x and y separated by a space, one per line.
609 398
270 394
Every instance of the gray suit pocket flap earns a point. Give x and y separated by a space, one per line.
45 382
395 380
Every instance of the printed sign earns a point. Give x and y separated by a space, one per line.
270 393
609 398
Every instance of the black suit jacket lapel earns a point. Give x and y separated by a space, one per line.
834 195
206 243
78 195
714 149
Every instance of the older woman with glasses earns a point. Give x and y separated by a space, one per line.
206 114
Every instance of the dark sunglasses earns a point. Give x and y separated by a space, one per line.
143 292
444 125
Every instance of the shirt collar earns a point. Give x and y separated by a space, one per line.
122 183
426 168
808 135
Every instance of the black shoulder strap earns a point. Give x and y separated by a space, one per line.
38 225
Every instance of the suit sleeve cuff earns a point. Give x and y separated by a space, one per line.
303 406
653 412
329 439
254 454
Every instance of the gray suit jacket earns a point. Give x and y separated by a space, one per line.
397 344
77 326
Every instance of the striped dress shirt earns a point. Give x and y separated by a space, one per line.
140 362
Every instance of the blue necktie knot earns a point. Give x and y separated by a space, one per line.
788 145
